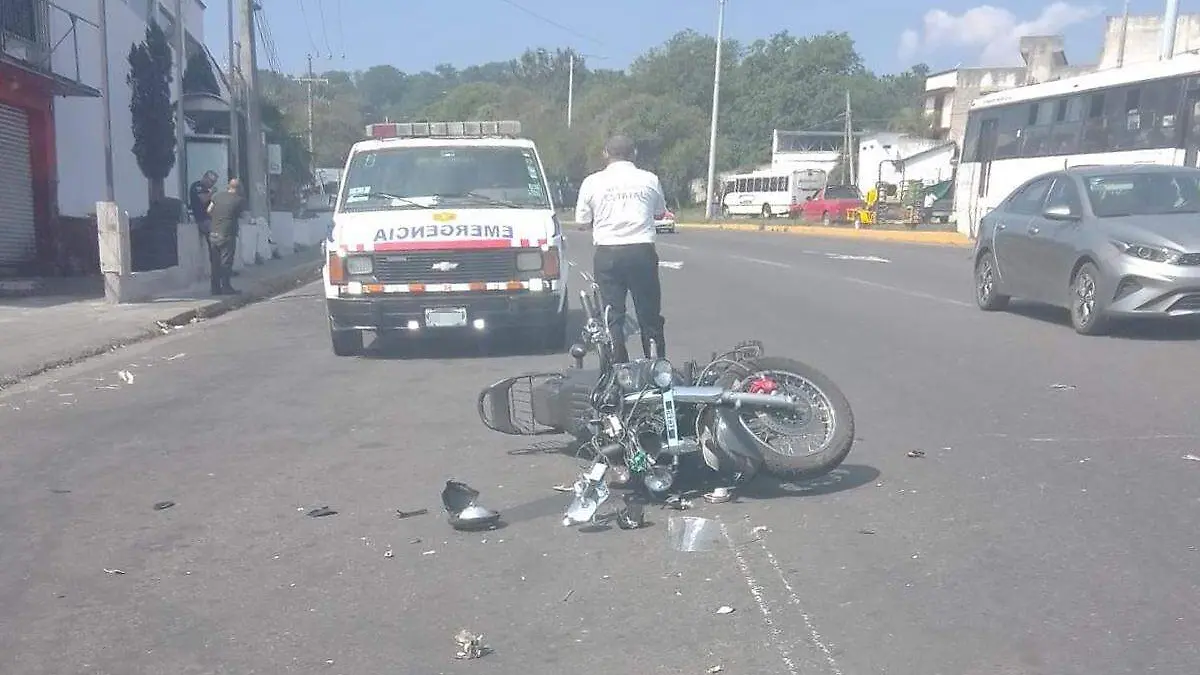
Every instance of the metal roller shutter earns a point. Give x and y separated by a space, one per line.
17 234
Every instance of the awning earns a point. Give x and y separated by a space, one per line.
58 84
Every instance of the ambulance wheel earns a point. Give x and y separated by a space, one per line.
346 342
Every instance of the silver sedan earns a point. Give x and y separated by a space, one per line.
1105 242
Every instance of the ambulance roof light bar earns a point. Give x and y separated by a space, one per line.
490 129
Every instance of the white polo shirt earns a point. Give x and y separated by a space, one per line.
621 202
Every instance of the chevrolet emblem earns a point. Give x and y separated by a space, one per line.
445 216
444 266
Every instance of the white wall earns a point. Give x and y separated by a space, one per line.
930 168
876 148
79 122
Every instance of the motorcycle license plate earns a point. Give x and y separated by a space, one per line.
669 419
443 317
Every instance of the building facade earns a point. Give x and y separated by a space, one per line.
52 135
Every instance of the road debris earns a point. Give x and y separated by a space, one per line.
180 355
916 454
160 506
715 669
388 553
1192 458
720 495
568 595
470 645
322 512
429 552
1062 387
409 514
690 534
671 264
866 531
114 571
563 488
725 609
126 376
459 500
760 528
632 516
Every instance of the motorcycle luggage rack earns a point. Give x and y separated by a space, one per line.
507 406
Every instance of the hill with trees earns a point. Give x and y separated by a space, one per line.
663 100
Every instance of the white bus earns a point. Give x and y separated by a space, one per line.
1140 114
769 192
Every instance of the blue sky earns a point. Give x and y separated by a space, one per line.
415 35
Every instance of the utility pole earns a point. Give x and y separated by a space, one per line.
235 119
312 147
105 91
256 151
1170 19
570 90
181 169
848 142
710 194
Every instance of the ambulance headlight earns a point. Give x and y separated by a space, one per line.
357 265
529 261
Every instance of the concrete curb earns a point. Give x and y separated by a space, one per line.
894 236
294 276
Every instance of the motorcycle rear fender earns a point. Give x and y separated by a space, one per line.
512 406
731 439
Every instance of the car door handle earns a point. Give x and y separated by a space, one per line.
1034 230
1001 226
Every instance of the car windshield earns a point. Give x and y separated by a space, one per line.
1144 194
432 176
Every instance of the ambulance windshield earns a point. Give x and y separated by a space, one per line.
461 176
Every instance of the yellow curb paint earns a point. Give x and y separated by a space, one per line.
894 236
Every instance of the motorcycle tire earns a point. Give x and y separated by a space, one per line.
791 467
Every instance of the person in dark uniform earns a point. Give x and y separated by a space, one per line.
199 195
224 209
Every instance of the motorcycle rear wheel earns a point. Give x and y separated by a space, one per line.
825 401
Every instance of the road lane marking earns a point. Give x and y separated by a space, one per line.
760 261
671 264
905 291
863 258
774 632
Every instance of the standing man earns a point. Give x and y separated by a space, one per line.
224 209
199 195
619 204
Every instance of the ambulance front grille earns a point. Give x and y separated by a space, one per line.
445 267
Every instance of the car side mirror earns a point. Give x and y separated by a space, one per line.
1060 213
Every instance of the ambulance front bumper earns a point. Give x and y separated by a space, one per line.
399 312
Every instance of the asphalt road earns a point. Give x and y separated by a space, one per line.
1047 530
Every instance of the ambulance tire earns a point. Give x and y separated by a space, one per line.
346 342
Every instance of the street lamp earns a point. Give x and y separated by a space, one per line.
710 195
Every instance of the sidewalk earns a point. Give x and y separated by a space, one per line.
42 333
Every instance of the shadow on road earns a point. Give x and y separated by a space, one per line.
1180 329
490 344
845 477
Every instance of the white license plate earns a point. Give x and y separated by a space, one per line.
446 317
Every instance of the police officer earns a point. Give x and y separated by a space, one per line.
619 204
224 209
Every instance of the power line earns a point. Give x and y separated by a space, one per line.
308 29
324 27
552 22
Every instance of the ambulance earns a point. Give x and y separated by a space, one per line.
445 227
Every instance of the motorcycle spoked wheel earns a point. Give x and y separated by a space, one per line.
826 410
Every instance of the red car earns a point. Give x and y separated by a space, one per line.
833 203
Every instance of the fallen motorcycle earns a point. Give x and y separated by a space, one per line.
742 412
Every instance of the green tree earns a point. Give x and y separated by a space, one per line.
198 75
153 120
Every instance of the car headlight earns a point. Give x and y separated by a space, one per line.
359 264
529 261
662 374
1146 252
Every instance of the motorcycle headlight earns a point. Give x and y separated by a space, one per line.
359 264
662 374
1151 253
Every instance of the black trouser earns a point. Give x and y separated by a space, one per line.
220 256
632 269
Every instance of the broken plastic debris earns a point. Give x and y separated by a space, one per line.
410 514
1062 387
126 376
458 498
163 505
388 553
760 528
719 496
322 512
715 669
470 645
690 534
916 454
562 488
180 355
108 571
724 609
1192 458
866 531
633 515
429 552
